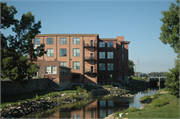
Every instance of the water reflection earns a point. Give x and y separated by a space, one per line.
98 108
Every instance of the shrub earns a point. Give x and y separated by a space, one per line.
146 98
80 89
160 102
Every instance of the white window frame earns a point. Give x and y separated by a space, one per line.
102 55
51 70
75 52
63 41
76 40
50 52
110 55
63 64
75 66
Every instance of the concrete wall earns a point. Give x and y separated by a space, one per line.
7 87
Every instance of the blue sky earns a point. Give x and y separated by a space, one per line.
138 21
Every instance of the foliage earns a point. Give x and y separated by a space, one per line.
15 63
131 67
160 102
80 89
172 80
170 26
146 98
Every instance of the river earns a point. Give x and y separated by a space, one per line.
96 108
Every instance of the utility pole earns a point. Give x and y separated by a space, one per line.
138 68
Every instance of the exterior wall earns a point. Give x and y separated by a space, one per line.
85 53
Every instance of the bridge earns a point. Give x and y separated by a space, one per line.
157 81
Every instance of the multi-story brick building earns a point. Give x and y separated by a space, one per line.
91 59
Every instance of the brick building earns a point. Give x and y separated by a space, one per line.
91 59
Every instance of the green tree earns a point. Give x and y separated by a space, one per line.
172 79
170 35
131 67
15 62
170 26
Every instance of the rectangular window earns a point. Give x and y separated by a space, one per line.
110 77
102 55
63 40
50 70
122 47
76 116
37 41
49 40
63 52
102 67
92 113
109 55
101 44
110 66
123 57
109 44
50 52
63 64
76 52
76 41
39 72
76 65
123 67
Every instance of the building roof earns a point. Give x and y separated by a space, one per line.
67 35
108 39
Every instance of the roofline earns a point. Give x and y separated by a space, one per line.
107 39
125 41
67 35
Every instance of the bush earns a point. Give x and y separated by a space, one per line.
160 102
80 89
146 98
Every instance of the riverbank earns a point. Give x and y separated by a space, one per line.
161 105
24 104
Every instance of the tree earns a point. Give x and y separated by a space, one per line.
170 27
172 80
170 35
131 67
15 63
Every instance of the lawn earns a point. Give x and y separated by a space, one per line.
166 111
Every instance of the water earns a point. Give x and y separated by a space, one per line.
96 108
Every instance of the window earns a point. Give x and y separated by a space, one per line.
92 43
62 40
50 52
49 40
122 47
110 77
109 44
50 69
63 64
76 52
123 67
102 77
102 66
39 72
76 116
123 57
76 65
76 41
37 41
102 55
63 52
101 44
92 113
110 66
109 55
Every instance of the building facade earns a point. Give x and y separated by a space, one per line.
90 58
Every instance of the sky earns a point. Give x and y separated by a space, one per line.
137 20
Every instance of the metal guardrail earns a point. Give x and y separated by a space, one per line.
89 44
90 71
89 58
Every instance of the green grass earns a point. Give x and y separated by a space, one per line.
146 98
164 111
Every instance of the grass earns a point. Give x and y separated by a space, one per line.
166 106
146 98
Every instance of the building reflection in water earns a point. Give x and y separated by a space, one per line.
95 109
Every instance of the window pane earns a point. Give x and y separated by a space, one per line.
76 65
102 55
110 77
53 69
122 57
110 66
50 52
109 44
102 66
49 40
37 41
63 40
109 55
48 70
122 47
76 52
101 44
39 70
63 52
76 41
63 64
